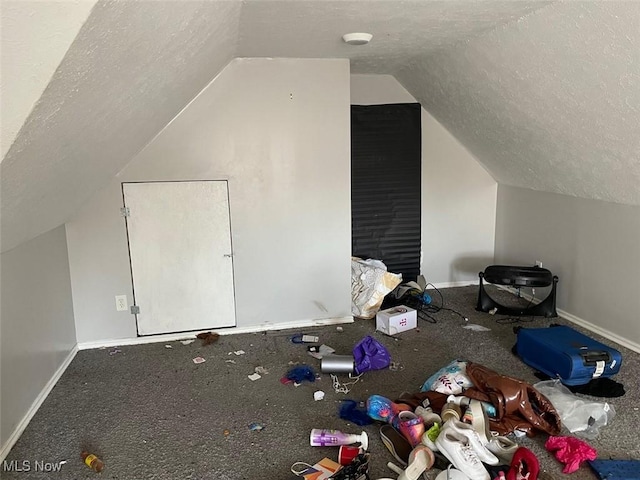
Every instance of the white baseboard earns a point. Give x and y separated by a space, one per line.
172 337
6 448
614 337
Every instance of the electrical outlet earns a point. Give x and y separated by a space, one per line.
539 263
121 303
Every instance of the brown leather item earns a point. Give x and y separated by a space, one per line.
518 404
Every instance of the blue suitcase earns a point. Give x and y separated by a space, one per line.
564 353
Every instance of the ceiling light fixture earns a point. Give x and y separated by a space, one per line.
357 38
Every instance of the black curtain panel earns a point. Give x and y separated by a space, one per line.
385 185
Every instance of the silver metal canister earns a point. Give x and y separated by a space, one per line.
337 364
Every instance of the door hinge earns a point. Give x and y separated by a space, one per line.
135 309
124 211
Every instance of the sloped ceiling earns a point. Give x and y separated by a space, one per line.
34 38
544 94
551 102
132 67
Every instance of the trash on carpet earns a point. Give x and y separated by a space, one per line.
322 470
226 433
337 364
396 319
237 352
349 411
254 376
261 370
370 282
230 361
91 461
320 437
187 342
319 395
395 366
301 338
339 329
370 354
321 351
198 360
299 374
256 427
343 387
570 451
168 346
581 417
114 351
476 328
208 338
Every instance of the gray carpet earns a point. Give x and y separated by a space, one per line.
150 412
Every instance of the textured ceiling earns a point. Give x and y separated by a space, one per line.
545 95
33 40
401 30
551 102
130 70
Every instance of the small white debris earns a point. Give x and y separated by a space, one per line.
230 361
319 395
239 352
254 376
476 328
339 329
187 342
198 360
168 346
261 370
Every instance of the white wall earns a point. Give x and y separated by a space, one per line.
37 329
458 195
593 246
278 131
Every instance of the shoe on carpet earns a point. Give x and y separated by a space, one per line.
480 421
410 426
451 474
503 448
463 457
450 410
428 416
429 437
524 466
421 459
473 439
395 442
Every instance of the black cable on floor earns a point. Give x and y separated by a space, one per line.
426 311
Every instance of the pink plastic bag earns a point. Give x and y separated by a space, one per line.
571 451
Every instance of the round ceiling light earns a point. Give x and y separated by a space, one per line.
357 38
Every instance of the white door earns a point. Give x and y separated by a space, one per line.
181 256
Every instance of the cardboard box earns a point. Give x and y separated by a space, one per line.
397 319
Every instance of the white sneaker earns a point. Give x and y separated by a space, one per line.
463 457
503 448
473 439
451 474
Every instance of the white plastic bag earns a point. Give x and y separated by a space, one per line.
370 282
581 417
